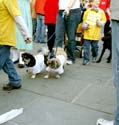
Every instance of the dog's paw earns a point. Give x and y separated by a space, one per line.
46 76
57 76
33 76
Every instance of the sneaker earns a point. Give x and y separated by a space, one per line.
85 62
104 122
9 87
94 59
69 62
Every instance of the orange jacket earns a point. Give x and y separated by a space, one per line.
39 6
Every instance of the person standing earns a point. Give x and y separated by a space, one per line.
68 18
93 19
51 9
9 15
115 59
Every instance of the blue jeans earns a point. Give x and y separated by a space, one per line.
115 63
8 67
68 26
94 49
40 29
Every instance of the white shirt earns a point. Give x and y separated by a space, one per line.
63 4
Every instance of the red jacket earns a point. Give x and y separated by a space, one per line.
51 9
39 6
104 4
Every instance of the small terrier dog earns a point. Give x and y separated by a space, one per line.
56 64
35 64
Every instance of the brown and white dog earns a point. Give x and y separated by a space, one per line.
56 64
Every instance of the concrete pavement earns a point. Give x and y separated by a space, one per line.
80 97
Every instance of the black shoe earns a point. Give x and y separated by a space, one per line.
9 87
21 65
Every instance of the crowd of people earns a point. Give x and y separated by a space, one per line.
29 19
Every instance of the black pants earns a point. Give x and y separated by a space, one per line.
51 36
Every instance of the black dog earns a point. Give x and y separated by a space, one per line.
107 42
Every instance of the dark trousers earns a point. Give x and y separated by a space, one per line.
51 36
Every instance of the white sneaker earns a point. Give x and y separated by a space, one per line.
69 62
104 122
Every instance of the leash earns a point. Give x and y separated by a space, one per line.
51 36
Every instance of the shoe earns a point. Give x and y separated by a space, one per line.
94 59
85 62
104 122
9 87
69 62
21 65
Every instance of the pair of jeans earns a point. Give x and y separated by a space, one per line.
94 49
7 66
67 25
40 29
115 64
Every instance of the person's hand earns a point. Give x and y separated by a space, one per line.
99 23
67 10
85 26
28 40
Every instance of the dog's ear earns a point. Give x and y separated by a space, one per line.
32 61
30 58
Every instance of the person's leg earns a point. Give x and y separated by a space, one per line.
72 22
43 29
94 45
15 55
115 68
86 57
7 65
60 30
51 36
115 63
37 38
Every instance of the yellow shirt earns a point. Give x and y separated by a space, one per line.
90 17
8 10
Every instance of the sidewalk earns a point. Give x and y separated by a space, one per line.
80 97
